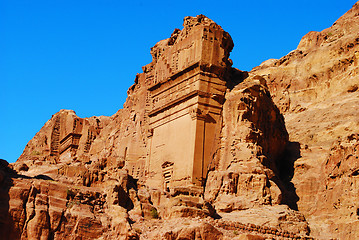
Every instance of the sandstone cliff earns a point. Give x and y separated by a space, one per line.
201 150
316 87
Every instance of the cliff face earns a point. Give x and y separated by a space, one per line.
253 138
316 87
324 65
201 150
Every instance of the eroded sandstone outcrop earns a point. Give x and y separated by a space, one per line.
315 86
63 139
324 65
40 208
253 138
200 150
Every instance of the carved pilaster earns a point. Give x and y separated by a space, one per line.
198 114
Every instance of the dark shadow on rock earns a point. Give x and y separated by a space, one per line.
8 229
6 221
43 177
286 172
132 183
210 119
124 199
235 77
212 211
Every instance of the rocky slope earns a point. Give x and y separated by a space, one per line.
286 172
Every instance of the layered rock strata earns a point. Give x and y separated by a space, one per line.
200 149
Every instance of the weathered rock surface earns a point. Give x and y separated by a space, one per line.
201 150
252 140
324 65
47 209
316 87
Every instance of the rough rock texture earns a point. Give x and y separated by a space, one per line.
40 208
63 138
316 87
105 168
253 137
324 65
247 172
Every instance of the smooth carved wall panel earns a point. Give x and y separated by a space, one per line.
173 142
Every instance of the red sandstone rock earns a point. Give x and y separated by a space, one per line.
202 231
316 87
192 143
252 139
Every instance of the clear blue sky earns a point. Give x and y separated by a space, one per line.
83 55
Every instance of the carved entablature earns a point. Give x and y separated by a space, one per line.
171 97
